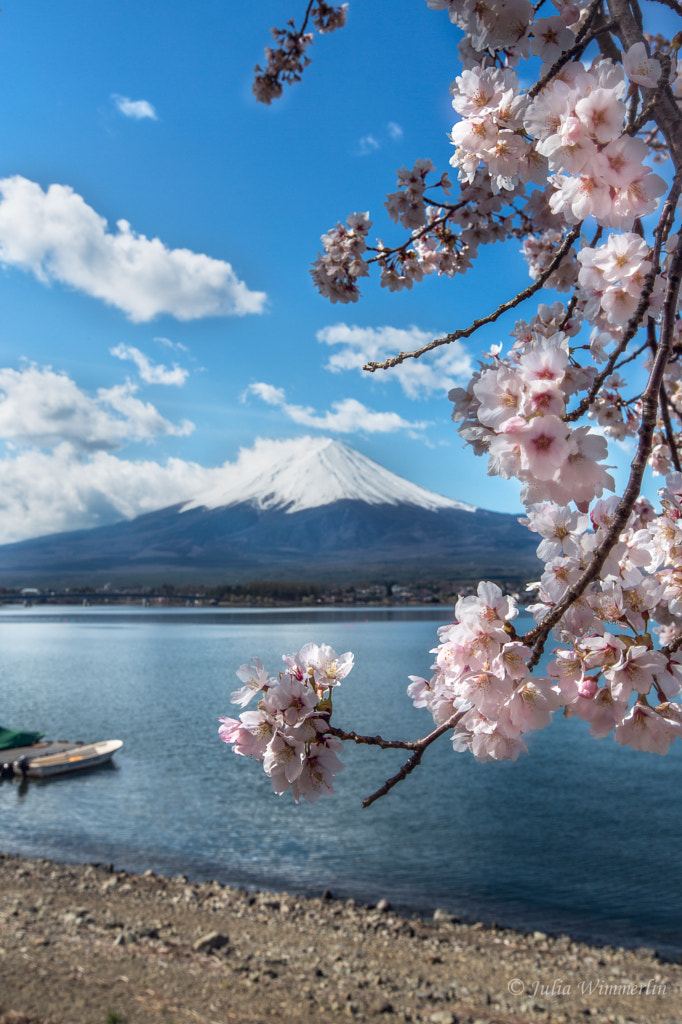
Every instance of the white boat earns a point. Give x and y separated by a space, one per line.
87 755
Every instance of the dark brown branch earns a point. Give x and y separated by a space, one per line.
305 20
492 317
669 432
666 112
375 741
412 762
664 402
420 232
631 358
537 637
673 646
649 106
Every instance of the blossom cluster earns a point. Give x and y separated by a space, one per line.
289 731
286 62
563 167
612 277
514 411
607 671
482 682
573 138
336 272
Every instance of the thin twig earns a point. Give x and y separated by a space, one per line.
582 40
492 317
305 20
409 766
418 233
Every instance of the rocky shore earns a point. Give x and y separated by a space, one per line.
88 945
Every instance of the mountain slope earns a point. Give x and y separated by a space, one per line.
253 529
308 472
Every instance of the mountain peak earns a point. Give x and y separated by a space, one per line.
308 472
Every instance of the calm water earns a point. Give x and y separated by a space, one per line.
580 836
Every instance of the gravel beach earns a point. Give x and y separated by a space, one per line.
83 944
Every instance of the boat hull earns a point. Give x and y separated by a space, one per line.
78 758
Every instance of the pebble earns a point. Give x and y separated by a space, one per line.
330 959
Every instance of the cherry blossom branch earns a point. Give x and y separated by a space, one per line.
661 233
650 105
409 766
667 113
420 232
583 39
286 63
537 637
375 741
669 433
563 249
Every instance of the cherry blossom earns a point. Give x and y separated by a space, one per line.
565 166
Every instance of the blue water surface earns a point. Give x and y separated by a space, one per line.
579 837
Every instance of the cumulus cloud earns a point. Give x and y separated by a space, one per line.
437 372
43 408
395 131
63 490
58 237
151 373
346 417
139 110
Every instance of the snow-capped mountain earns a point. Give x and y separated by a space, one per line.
308 472
311 510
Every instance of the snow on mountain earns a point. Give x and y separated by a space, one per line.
309 472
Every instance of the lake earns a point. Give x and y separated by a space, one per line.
580 836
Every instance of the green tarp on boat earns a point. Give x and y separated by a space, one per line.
11 738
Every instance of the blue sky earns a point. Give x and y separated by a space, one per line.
118 354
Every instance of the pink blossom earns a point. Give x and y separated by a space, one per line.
643 729
254 677
640 68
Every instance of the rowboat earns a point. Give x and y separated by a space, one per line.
86 755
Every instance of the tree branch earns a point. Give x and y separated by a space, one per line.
409 766
492 317
582 40
633 324
375 741
537 637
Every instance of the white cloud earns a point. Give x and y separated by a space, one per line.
44 408
346 417
368 144
177 346
432 373
395 131
151 373
139 110
61 490
58 237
